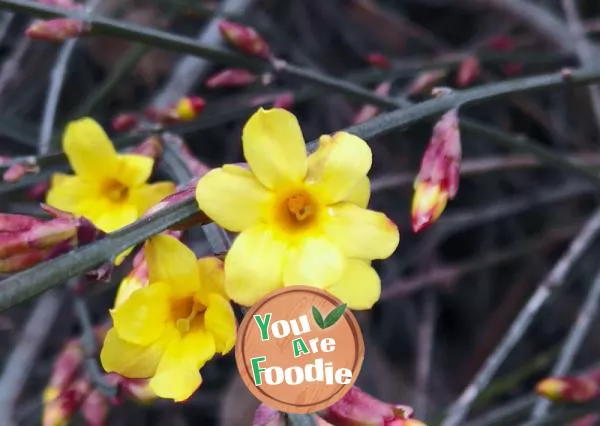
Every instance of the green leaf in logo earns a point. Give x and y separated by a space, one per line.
334 315
318 317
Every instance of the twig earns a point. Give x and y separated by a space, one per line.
554 280
191 69
484 165
574 341
584 50
425 343
22 358
57 79
89 343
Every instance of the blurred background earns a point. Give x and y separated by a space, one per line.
450 292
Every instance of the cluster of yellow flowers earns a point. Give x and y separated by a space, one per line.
302 220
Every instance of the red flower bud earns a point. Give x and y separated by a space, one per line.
125 122
244 38
378 60
95 408
358 408
369 111
66 367
439 175
25 242
232 77
17 171
469 70
285 101
152 147
426 80
568 389
506 44
57 30
38 191
189 107
60 408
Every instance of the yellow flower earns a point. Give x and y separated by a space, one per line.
108 188
303 219
169 329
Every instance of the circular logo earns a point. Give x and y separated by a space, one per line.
299 350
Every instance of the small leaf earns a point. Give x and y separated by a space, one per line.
334 315
318 317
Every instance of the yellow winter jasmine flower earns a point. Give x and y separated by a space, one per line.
301 218
108 188
169 329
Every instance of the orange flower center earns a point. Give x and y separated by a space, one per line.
297 209
184 311
116 191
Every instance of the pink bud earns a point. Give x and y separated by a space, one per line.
379 60
426 80
66 366
189 108
232 77
589 420
38 191
370 111
57 30
95 408
285 101
468 71
125 122
504 43
152 147
16 172
266 416
358 408
244 38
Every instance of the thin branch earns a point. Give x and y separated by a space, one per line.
22 358
582 324
478 166
555 279
584 50
31 282
191 69
425 343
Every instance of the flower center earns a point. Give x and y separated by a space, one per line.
184 311
116 191
297 209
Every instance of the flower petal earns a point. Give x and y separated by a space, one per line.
172 262
131 360
141 318
212 278
66 192
359 287
232 197
115 217
274 147
361 233
315 262
178 375
220 321
254 265
146 196
89 150
339 164
134 169
360 194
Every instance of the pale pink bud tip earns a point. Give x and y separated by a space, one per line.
357 408
57 30
125 122
285 101
468 72
244 38
379 60
16 172
234 77
266 416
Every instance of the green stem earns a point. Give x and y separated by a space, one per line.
32 282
